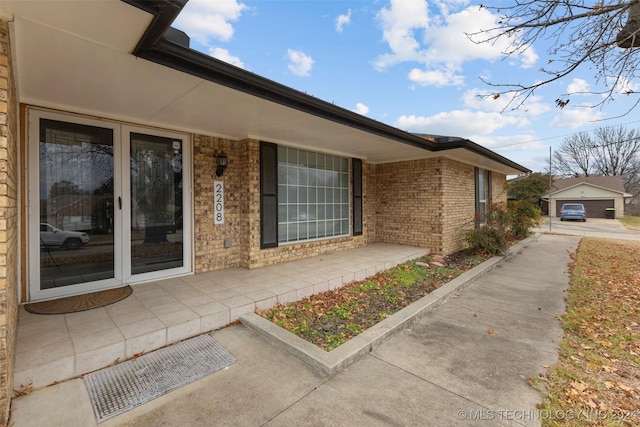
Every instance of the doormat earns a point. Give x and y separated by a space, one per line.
79 302
122 387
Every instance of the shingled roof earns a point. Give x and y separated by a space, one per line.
613 183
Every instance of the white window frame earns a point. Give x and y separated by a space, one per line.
290 216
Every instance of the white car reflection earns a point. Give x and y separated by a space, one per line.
51 236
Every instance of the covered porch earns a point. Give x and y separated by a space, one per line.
53 348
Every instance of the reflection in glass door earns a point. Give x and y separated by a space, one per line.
106 205
76 204
156 203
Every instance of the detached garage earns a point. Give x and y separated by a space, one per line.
596 193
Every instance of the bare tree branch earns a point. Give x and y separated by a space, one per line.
581 35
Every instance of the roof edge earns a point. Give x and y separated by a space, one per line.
479 149
551 193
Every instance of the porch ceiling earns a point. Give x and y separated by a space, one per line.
76 56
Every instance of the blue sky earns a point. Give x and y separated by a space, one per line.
406 63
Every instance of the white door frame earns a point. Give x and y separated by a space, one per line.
122 217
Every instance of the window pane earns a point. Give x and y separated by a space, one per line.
313 230
293 232
313 193
292 213
282 193
321 212
292 194
282 233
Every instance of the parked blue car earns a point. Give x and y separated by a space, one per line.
573 211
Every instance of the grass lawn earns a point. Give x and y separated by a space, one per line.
597 378
631 222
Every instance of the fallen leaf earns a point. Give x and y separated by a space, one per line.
580 385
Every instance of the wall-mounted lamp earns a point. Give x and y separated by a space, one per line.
221 163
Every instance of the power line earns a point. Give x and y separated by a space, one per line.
553 137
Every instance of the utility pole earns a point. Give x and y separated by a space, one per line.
550 183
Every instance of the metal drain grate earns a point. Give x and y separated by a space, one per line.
122 387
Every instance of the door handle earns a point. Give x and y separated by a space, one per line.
119 202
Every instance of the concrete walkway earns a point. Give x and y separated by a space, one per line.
465 363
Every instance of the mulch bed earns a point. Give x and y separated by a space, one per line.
330 318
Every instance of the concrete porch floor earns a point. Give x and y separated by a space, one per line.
54 348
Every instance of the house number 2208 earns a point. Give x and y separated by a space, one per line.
218 202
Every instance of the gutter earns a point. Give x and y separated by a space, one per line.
156 47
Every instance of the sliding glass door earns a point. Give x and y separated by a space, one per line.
106 205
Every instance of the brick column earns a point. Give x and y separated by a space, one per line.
8 222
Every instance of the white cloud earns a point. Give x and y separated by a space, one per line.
578 86
224 55
575 118
481 99
205 19
444 44
462 123
361 109
343 20
436 78
299 63
624 85
399 24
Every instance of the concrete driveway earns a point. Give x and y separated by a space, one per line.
593 227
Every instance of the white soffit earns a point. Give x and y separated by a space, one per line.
109 22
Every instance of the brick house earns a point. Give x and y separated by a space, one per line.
82 97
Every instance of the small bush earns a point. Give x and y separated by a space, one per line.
514 220
486 238
522 216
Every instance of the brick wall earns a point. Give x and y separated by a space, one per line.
498 190
459 210
8 222
210 253
427 203
407 205
242 212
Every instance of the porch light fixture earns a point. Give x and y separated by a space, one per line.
221 163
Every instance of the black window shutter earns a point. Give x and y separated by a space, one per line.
356 166
268 195
476 177
489 188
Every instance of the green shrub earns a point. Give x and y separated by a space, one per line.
486 238
522 216
513 220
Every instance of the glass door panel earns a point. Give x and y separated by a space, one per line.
157 238
76 204
106 205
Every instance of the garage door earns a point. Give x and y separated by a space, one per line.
595 208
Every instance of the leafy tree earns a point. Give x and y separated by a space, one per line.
601 36
530 187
